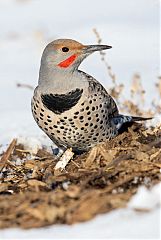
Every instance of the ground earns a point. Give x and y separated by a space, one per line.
35 194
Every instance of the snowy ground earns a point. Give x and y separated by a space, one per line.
130 26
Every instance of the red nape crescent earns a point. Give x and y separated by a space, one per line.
67 62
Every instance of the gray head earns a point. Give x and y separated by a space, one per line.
67 54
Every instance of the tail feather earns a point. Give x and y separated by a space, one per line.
135 119
122 120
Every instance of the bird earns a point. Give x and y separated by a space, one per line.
71 106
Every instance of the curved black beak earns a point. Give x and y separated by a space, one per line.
93 48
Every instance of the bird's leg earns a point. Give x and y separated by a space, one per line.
55 151
64 159
58 151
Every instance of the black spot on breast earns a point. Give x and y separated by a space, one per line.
59 103
49 120
76 113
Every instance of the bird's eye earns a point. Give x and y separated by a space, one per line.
65 49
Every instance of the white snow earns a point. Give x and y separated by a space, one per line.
146 199
30 143
132 28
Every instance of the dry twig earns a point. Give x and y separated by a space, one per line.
7 154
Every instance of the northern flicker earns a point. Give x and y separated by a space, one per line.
69 105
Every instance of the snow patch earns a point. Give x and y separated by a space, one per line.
146 199
30 143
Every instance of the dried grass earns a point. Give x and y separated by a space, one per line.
34 194
137 91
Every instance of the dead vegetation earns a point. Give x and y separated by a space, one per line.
134 105
34 194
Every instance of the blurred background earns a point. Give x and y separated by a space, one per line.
130 26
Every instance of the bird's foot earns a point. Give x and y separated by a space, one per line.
55 151
58 152
64 159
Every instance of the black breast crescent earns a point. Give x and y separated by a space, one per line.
59 103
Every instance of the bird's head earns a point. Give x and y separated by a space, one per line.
67 54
